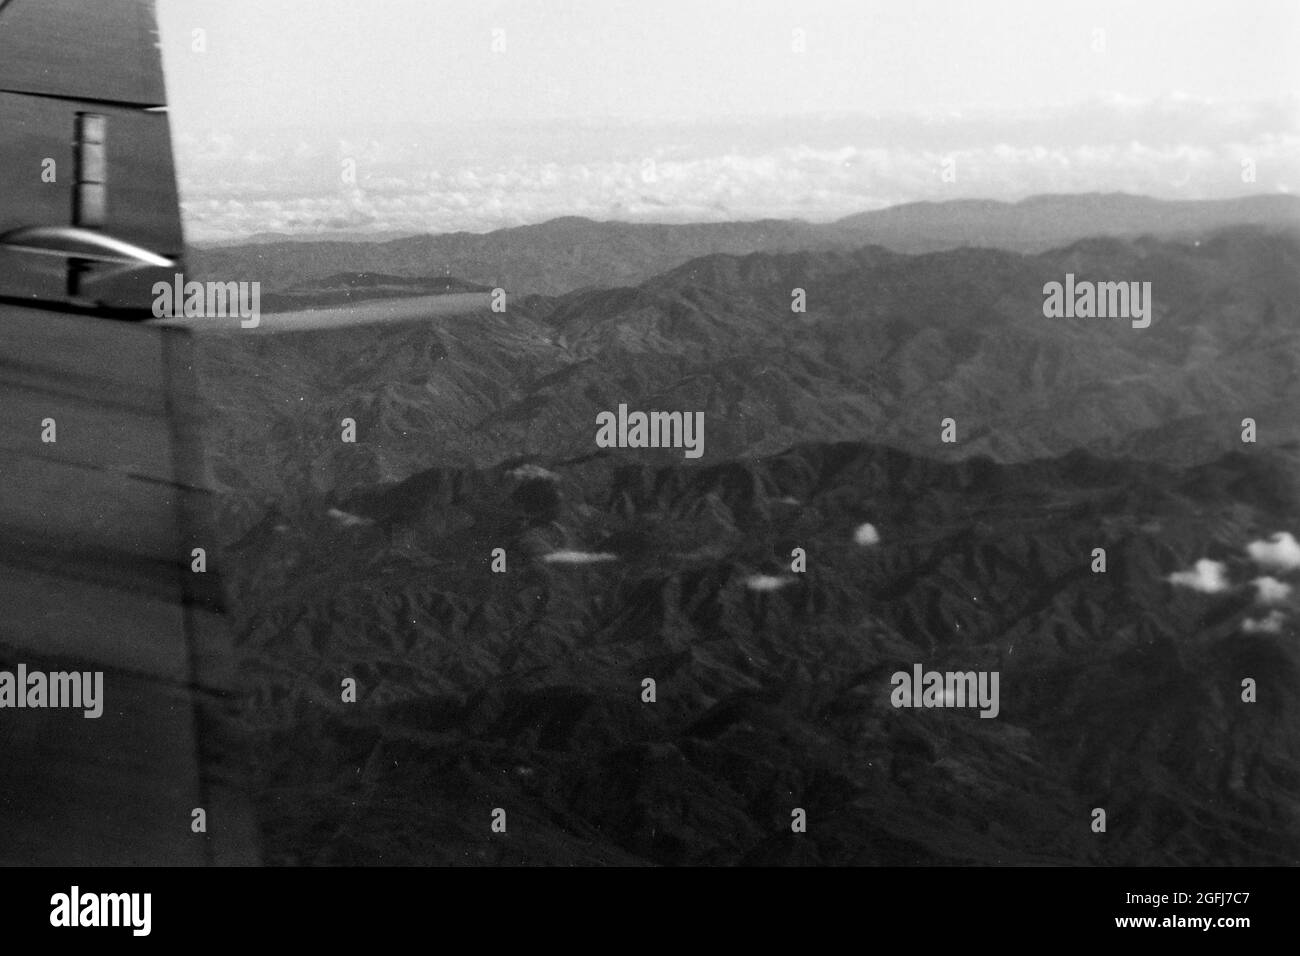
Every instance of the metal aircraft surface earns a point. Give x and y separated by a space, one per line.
107 565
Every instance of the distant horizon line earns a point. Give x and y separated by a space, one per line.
391 235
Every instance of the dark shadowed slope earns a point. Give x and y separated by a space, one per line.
522 689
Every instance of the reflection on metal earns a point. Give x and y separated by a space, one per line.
74 242
90 199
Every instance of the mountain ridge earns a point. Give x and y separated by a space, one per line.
572 253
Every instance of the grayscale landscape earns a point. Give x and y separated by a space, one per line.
698 434
1120 689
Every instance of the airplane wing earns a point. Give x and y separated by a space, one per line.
107 566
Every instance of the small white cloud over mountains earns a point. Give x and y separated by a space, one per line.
1281 552
1272 624
766 582
866 534
578 557
531 471
1206 576
348 520
1269 590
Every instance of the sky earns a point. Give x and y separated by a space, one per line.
324 116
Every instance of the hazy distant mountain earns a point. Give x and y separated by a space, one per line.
553 257
345 287
1042 222
337 235
573 253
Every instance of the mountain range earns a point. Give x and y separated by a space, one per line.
513 679
564 255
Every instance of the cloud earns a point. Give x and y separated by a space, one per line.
418 179
1206 576
578 557
866 534
531 471
1270 590
1280 552
766 582
1268 625
348 520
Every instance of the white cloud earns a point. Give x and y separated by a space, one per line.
1269 590
1281 552
348 520
766 582
866 534
530 470
1206 576
413 179
1268 625
578 557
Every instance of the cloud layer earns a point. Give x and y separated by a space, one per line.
314 182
